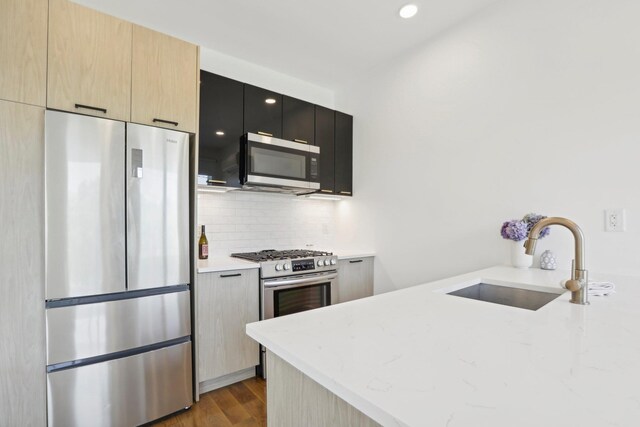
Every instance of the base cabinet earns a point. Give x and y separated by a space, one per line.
355 278
226 302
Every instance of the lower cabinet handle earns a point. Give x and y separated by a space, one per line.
327 191
216 181
89 107
169 122
230 275
356 261
345 192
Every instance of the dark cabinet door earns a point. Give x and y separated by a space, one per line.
221 127
262 111
298 120
324 138
344 154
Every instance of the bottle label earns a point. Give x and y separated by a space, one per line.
205 250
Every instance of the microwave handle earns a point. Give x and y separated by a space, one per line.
292 282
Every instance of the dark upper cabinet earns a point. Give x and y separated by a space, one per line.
221 127
262 111
324 138
344 154
298 120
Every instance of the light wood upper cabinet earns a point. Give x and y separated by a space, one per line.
23 51
164 81
89 61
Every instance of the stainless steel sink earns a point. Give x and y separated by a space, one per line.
504 295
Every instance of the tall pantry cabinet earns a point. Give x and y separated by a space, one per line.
64 56
23 69
22 361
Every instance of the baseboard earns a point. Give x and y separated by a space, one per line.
226 380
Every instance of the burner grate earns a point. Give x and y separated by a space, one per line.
272 254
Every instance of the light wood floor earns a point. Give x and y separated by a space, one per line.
241 404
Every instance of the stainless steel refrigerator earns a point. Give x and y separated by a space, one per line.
118 316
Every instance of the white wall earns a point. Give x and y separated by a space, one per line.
248 72
248 222
533 105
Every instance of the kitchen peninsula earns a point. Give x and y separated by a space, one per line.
419 357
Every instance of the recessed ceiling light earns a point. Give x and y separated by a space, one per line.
270 101
219 133
408 11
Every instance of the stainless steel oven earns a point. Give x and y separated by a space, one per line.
293 281
271 162
293 294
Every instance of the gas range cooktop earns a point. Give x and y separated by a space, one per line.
289 263
273 255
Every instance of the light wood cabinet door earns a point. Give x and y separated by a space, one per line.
355 278
22 353
89 61
23 51
226 302
164 81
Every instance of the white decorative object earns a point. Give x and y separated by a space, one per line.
519 258
547 260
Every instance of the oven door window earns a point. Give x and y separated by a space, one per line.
302 298
278 162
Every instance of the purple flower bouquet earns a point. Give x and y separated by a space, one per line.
518 229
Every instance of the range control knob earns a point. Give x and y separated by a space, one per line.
320 263
278 267
287 266
326 262
334 262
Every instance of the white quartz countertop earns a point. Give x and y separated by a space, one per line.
419 357
354 254
224 263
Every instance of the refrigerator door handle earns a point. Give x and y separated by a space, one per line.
136 162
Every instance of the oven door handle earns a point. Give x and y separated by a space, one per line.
291 282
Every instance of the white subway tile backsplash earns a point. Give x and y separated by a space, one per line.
245 222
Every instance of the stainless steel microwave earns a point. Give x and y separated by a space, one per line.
279 165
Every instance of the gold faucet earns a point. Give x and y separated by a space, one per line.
578 284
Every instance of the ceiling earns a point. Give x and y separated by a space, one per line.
325 42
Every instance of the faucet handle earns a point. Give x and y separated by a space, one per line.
573 285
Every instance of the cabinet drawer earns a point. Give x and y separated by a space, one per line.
157 383
82 331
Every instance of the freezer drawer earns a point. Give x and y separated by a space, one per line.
89 330
122 392
157 207
85 205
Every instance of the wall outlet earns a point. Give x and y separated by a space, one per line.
614 220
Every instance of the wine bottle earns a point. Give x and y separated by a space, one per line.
203 246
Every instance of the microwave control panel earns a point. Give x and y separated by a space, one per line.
303 265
